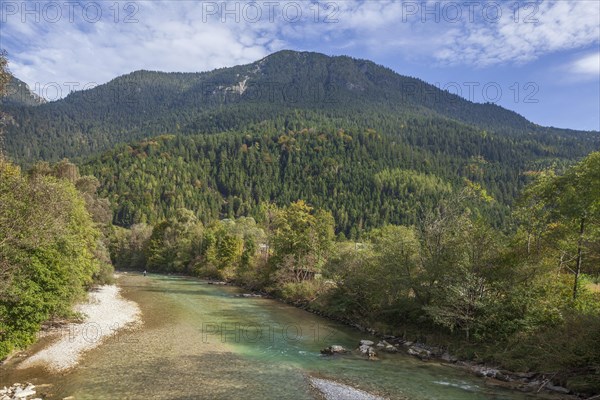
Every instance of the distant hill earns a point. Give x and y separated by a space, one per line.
146 103
18 93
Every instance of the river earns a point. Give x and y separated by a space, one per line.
200 341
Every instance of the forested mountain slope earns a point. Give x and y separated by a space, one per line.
364 178
348 91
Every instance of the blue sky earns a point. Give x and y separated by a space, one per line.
539 58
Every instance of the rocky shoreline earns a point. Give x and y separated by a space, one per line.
530 382
526 382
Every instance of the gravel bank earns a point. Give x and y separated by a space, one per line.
106 312
337 391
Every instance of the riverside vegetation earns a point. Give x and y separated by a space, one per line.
524 300
464 234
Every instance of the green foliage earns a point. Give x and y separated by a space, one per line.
365 182
301 293
564 215
170 247
406 184
48 253
4 75
302 241
128 246
507 296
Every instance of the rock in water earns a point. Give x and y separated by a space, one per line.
390 349
334 349
421 353
558 389
368 351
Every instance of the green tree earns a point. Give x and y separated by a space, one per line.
170 247
48 253
302 240
398 271
570 208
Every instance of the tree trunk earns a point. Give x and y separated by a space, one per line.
579 257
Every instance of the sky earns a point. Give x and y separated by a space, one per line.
538 58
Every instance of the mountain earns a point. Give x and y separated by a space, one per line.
146 103
347 135
18 93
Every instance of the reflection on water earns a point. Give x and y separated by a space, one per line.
201 342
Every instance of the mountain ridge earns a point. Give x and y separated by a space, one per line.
146 103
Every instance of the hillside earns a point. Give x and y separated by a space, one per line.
355 92
365 178
18 94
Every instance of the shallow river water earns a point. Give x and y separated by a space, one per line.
199 341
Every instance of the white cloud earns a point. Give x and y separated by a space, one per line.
588 66
192 36
521 37
168 36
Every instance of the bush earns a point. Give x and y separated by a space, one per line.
301 292
105 275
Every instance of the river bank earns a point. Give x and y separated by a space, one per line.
104 314
494 375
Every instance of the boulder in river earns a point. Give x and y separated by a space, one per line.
448 357
366 343
484 371
390 349
419 352
334 349
368 351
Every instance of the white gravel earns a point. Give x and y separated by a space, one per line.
106 312
337 391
